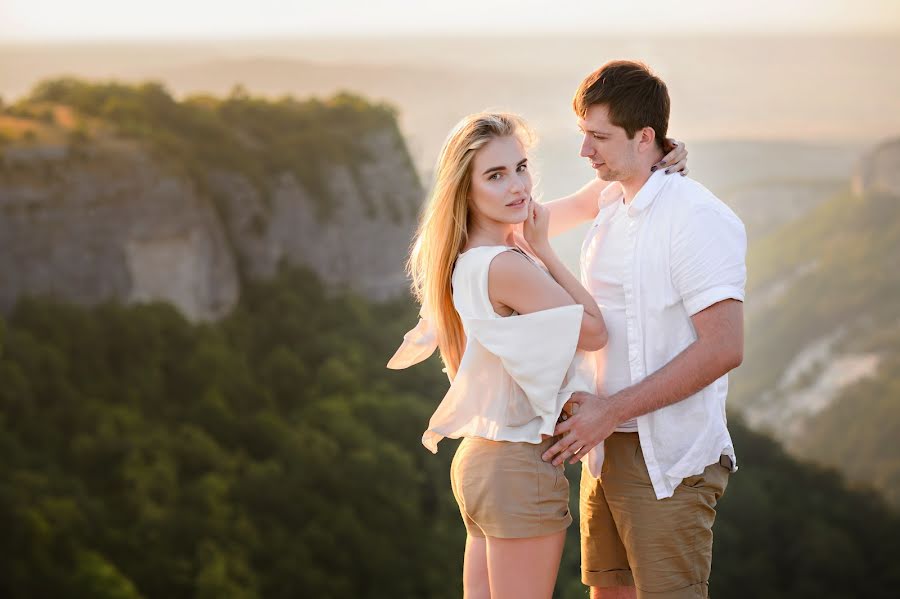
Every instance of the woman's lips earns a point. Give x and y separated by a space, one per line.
517 203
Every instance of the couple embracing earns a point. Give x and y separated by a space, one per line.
624 370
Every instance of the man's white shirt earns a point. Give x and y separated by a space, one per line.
611 252
674 251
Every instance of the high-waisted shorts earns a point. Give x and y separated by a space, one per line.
505 490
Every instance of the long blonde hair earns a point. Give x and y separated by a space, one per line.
443 225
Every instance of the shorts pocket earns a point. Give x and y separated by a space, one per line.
713 480
694 482
561 483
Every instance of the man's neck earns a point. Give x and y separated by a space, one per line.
634 184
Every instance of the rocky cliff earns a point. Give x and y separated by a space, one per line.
878 171
90 211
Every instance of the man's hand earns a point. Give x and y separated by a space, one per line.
717 350
592 421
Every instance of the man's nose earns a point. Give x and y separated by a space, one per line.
586 150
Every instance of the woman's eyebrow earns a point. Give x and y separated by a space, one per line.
503 168
493 169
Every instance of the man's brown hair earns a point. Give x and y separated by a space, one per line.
634 96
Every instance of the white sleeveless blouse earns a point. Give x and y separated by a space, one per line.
516 371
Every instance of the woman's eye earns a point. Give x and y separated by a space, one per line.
522 167
494 177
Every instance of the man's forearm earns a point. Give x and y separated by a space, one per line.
696 367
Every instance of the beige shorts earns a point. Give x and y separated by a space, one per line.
663 547
505 490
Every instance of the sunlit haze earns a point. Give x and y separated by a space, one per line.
58 20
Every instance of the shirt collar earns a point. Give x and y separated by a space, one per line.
648 193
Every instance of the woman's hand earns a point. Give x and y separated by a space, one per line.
569 408
536 228
676 159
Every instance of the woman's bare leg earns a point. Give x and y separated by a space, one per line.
475 570
524 568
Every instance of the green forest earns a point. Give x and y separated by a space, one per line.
272 455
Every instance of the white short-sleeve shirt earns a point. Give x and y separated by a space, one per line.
611 248
687 251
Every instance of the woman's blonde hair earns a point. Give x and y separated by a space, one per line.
443 225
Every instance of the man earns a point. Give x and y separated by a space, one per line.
665 260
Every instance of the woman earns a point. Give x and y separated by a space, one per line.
509 319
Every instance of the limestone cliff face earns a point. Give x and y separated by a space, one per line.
111 222
362 244
879 171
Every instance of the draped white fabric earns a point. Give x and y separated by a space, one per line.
418 345
515 376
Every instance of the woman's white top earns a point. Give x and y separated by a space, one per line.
516 371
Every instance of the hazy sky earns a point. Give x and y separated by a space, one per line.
64 20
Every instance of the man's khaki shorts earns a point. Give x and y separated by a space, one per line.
663 547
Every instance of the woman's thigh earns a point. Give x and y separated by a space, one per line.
524 568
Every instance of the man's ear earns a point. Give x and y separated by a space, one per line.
648 139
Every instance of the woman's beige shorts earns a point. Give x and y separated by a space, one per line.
505 490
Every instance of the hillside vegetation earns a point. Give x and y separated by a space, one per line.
829 280
272 455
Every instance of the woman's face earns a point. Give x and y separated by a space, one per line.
501 181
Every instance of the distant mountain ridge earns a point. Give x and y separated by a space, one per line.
822 365
879 170
113 191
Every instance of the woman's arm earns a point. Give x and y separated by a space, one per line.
535 229
515 283
572 210
582 206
